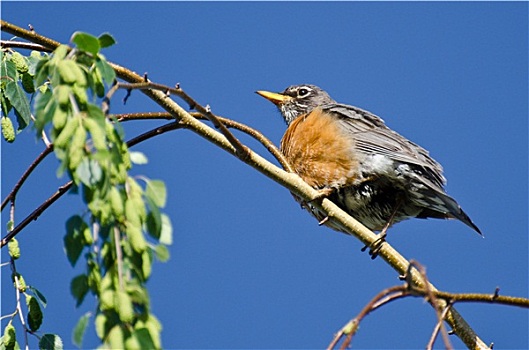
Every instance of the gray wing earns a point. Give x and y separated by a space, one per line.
374 137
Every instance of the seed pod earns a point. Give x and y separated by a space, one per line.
116 202
14 249
71 73
8 131
20 61
66 133
124 307
9 337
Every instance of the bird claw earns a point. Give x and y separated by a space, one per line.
323 193
374 248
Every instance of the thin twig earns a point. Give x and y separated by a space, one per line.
36 213
11 196
119 257
24 45
29 35
19 305
230 123
437 328
240 150
64 188
407 290
352 326
432 299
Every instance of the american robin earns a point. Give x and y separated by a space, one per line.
373 173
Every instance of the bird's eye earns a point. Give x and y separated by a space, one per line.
303 92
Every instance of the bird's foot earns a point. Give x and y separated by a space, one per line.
375 246
323 193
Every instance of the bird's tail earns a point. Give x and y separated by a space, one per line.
443 206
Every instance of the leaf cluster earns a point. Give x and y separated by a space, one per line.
123 229
35 302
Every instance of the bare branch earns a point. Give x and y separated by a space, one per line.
437 328
12 195
29 35
432 299
241 150
269 145
24 45
36 213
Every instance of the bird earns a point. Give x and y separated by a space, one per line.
376 175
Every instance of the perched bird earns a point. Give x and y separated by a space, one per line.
373 173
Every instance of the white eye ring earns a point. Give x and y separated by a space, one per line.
304 91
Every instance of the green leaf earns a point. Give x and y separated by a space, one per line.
162 253
106 40
86 42
43 109
33 60
153 326
143 337
154 220
20 121
74 240
138 158
34 316
8 70
41 72
17 97
79 288
89 172
166 236
107 72
157 192
80 329
4 103
51 342
27 83
40 297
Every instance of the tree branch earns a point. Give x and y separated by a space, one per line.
12 195
227 122
409 289
24 45
241 150
36 213
290 181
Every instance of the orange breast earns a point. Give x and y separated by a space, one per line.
319 151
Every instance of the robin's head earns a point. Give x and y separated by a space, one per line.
297 100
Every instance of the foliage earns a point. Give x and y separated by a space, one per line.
123 229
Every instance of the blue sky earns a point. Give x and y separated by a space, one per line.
249 269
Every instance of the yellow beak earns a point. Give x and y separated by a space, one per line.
274 97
